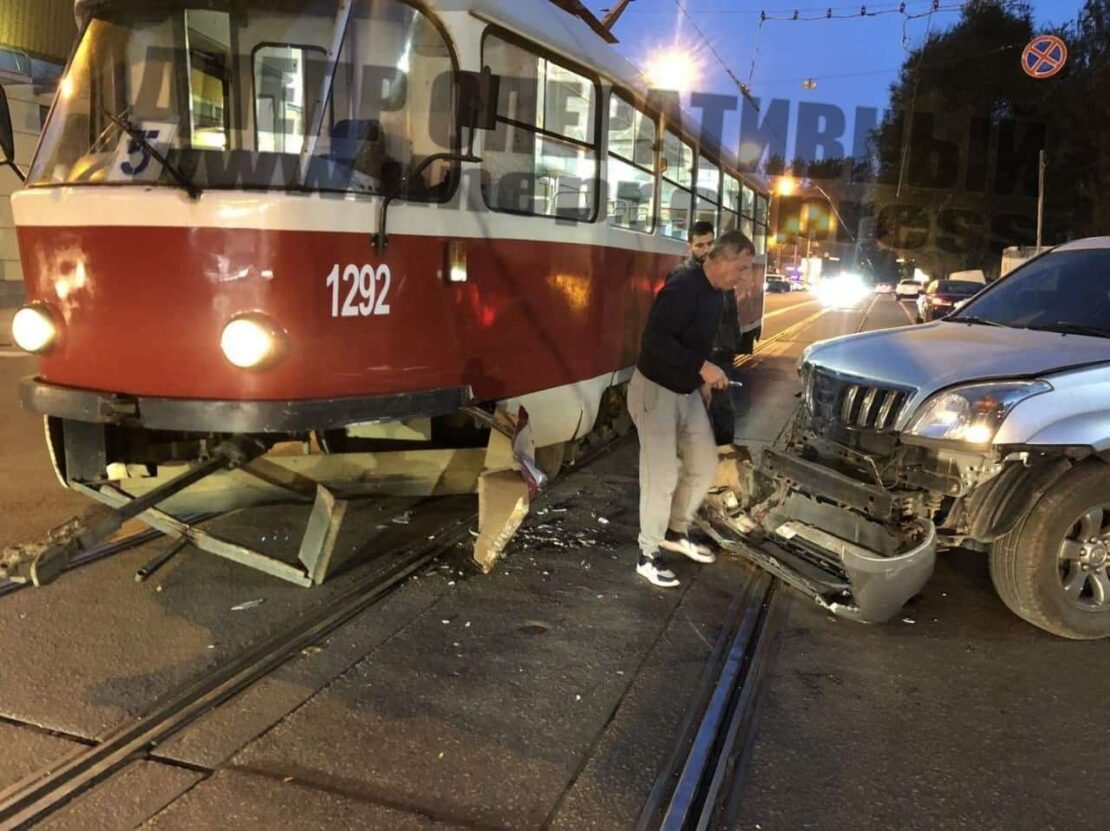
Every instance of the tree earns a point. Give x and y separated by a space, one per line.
957 152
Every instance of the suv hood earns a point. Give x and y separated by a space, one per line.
938 355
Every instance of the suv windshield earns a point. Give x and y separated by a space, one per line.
1065 291
228 92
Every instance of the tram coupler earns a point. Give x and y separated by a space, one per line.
41 563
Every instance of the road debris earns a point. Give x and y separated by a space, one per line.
402 519
250 604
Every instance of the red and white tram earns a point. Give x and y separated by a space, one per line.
201 228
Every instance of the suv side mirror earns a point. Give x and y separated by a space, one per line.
478 93
7 137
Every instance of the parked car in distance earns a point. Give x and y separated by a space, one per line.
975 275
777 283
884 288
907 290
941 297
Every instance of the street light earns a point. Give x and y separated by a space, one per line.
672 68
787 186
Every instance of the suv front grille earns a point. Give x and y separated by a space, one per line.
861 406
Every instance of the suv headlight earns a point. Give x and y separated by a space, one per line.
971 414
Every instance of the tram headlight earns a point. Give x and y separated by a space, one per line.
34 329
252 341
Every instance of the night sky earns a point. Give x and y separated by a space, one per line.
853 61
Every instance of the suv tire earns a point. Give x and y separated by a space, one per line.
1026 565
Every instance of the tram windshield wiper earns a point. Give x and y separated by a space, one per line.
139 136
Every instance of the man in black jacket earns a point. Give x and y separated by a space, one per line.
726 344
667 399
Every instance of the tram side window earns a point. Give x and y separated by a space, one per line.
747 212
760 238
709 190
678 185
730 204
630 197
542 158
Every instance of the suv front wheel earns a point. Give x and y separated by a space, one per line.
1053 568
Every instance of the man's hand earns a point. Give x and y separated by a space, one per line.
713 376
706 395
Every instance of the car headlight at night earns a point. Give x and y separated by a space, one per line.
251 341
34 329
971 414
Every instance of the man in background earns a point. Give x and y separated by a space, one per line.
698 242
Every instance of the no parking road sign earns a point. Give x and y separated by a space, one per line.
1044 57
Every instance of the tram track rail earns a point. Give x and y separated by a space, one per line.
47 790
100 552
698 785
108 548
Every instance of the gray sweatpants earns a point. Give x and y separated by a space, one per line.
678 458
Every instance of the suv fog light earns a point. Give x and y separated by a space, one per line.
34 329
252 342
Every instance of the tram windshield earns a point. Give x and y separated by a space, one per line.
228 93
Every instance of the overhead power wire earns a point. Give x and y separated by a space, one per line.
859 12
820 11
970 56
913 103
744 89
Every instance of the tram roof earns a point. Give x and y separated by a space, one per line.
554 27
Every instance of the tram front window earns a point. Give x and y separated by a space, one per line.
229 94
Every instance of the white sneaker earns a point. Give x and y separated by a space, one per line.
649 570
682 544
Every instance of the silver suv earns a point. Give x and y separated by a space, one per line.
987 430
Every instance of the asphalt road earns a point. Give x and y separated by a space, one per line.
548 693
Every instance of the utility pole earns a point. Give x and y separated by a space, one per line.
1040 196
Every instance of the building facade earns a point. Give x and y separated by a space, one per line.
35 40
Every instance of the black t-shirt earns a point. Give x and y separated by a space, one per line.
681 327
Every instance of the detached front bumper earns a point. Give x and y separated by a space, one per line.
840 541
